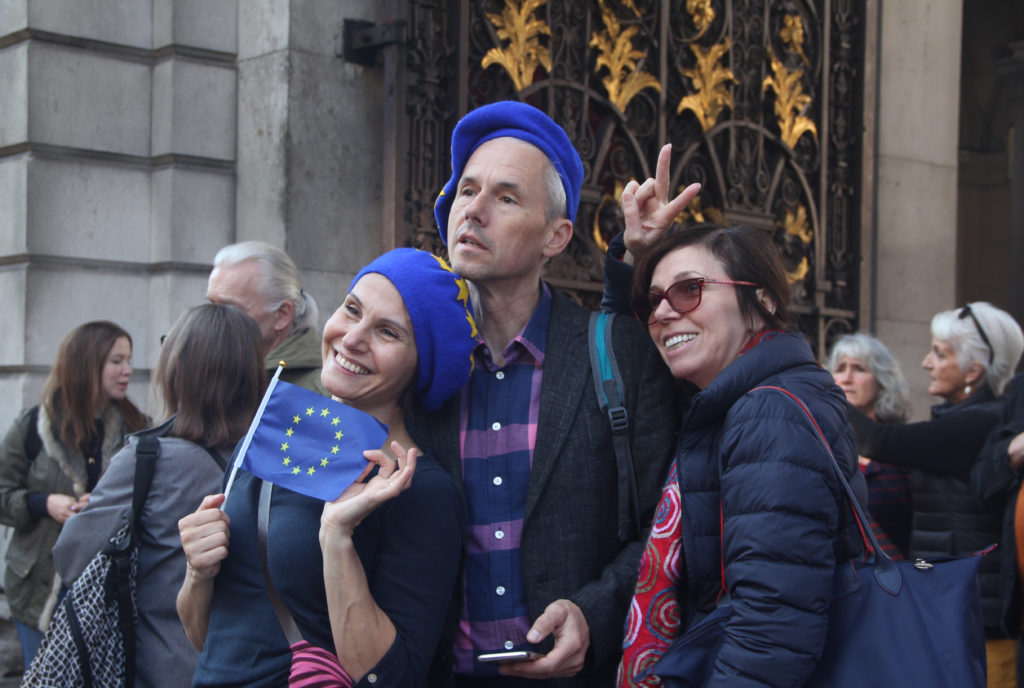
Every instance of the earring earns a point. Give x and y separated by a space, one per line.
967 390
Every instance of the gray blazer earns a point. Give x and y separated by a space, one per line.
184 474
570 546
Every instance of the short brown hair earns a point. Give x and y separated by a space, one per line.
210 373
747 254
72 394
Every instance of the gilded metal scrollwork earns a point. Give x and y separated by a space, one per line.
617 53
790 101
792 36
524 51
797 228
702 13
711 83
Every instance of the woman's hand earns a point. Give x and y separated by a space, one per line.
341 516
646 209
61 507
204 537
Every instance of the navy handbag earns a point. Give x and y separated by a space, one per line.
891 623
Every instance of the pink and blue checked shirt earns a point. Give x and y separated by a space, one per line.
497 433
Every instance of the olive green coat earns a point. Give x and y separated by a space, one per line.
29 580
301 351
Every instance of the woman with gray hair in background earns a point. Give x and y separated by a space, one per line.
974 351
871 378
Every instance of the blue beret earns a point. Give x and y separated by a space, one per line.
519 121
442 320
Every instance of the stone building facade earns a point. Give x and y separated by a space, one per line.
139 136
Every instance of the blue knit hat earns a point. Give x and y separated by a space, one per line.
442 320
519 121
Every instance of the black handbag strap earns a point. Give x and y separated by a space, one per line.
146 453
284 617
608 387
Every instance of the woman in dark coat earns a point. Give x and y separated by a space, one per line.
753 501
973 353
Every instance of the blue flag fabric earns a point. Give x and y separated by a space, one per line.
311 444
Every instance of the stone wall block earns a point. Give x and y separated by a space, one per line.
60 298
14 95
263 106
124 22
193 214
85 99
194 109
205 24
170 294
13 16
12 313
13 200
335 137
88 210
263 27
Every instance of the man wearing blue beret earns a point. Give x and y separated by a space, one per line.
546 569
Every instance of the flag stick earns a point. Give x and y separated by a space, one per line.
252 430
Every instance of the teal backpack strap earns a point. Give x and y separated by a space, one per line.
608 388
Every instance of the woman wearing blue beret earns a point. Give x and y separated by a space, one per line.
356 591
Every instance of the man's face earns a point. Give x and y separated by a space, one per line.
235 285
496 227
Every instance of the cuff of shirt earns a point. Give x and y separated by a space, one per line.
36 503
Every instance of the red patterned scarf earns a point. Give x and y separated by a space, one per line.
654 619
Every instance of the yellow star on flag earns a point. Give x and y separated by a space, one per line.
296 470
334 449
325 413
284 446
287 460
311 470
335 420
296 419
324 461
338 435
309 411
289 432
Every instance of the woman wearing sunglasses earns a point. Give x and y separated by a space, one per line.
752 506
973 353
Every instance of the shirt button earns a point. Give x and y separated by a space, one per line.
498 534
500 590
497 480
371 678
509 645
495 426
500 375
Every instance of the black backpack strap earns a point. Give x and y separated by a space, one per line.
608 387
146 453
33 442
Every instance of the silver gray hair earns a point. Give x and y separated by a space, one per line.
958 328
893 402
279 279
557 204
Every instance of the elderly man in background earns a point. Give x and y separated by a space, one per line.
263 281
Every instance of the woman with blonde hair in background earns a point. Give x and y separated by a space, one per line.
53 456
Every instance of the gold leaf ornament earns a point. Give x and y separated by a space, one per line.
619 56
523 52
792 36
711 83
790 101
701 14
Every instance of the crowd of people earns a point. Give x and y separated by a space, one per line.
483 543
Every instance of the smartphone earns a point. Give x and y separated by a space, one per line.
510 656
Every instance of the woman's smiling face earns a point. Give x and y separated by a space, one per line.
369 350
697 345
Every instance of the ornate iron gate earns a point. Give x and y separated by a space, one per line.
760 98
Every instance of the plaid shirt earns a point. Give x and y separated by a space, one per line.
497 433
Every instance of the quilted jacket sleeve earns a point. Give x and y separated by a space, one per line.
780 510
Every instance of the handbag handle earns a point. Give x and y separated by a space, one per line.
886 572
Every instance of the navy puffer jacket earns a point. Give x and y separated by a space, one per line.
785 512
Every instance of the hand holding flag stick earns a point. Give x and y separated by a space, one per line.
341 516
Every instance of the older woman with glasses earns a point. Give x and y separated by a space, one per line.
753 505
974 351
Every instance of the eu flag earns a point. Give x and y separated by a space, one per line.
310 444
